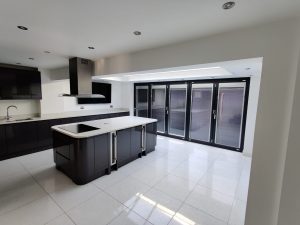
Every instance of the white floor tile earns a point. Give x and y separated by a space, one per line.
189 215
51 179
109 180
73 195
176 187
61 220
157 207
214 203
19 196
238 213
100 210
36 213
154 187
129 218
38 159
149 175
219 183
127 190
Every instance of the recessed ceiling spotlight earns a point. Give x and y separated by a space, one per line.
228 5
248 68
137 33
90 47
22 28
31 58
47 52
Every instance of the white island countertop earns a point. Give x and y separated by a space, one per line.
51 116
105 125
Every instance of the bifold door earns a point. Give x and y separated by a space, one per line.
158 106
141 101
230 112
210 112
177 109
201 111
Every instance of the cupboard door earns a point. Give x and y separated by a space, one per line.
102 152
2 141
136 141
123 146
151 136
21 137
45 132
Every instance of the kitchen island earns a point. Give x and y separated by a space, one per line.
88 150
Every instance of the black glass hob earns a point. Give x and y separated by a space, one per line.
78 128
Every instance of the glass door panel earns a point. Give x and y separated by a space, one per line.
229 116
158 109
141 98
200 114
177 109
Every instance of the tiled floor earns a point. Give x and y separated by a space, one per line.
181 183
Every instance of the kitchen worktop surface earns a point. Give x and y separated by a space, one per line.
105 126
30 118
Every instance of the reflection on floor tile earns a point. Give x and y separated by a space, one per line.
181 183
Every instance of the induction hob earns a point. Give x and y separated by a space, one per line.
78 128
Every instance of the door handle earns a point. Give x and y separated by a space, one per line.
215 114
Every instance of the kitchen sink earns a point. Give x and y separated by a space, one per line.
18 120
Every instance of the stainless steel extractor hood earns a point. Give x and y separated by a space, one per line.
81 72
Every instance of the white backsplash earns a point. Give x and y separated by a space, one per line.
25 107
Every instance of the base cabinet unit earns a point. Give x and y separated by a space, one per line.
83 160
123 147
2 141
21 137
129 145
45 132
17 139
136 141
151 137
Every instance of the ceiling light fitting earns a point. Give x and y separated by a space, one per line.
31 58
137 33
90 47
47 52
22 28
228 5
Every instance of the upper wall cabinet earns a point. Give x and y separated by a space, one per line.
20 83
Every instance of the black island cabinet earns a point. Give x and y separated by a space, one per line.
86 159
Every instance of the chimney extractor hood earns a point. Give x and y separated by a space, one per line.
81 71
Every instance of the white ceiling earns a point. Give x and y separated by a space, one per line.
228 69
68 27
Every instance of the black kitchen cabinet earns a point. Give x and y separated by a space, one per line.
136 141
21 137
45 132
2 141
20 83
151 136
102 153
123 146
83 160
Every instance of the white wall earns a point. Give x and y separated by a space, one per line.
25 107
276 43
53 103
290 197
251 114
